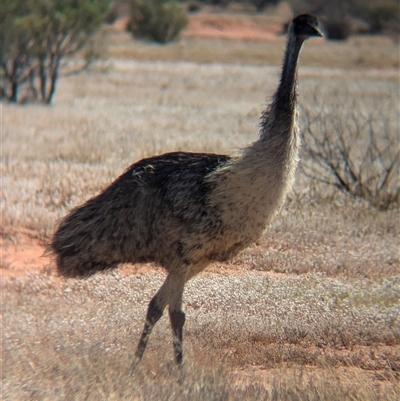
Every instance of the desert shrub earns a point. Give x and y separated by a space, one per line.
336 29
354 147
158 20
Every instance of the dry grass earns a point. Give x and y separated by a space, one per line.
326 327
76 339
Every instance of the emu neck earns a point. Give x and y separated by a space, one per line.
279 118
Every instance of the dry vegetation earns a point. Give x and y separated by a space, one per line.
309 312
76 339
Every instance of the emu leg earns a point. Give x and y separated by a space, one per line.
169 293
177 319
177 316
154 313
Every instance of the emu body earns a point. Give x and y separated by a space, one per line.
186 210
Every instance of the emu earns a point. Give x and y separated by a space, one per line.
185 210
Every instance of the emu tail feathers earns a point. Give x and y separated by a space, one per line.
94 237
80 246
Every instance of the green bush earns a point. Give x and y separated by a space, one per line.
158 20
336 29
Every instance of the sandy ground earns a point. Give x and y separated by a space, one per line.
22 251
240 27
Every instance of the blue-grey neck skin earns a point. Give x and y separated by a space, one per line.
280 114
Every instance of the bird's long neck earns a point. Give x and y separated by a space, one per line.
279 117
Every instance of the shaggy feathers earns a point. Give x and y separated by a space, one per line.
185 210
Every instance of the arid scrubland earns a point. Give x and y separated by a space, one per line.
309 312
76 339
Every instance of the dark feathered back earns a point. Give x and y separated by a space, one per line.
123 223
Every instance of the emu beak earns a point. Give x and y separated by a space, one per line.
316 31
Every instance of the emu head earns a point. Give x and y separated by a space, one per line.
305 26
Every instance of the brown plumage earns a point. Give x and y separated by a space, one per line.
186 210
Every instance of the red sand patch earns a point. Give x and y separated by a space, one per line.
22 251
240 27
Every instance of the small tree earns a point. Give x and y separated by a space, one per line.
16 52
37 36
157 20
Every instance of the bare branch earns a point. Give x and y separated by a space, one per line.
352 150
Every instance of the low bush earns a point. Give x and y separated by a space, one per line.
160 21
